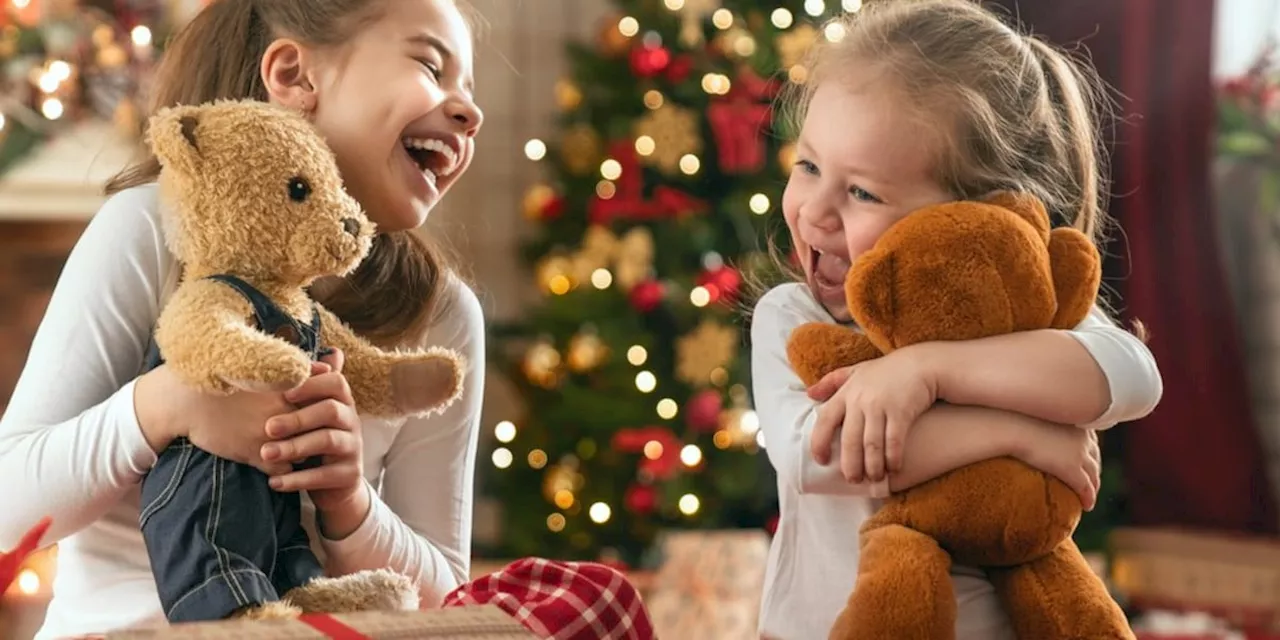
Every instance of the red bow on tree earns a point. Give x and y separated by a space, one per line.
739 119
667 459
628 201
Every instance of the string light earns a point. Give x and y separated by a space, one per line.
689 504
52 108
555 522
535 149
851 6
606 189
722 19
629 26
636 355
759 204
690 164
564 498
716 84
814 7
502 457
611 169
674 5
722 439
505 431
691 455
833 32
798 74
645 145
700 296
559 284
653 99
601 278
653 450
744 46
646 381
537 459
719 377
599 513
760 439
141 36
667 408
750 422
782 18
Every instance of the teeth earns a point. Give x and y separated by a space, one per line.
432 144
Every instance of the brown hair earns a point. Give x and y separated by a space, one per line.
391 294
1008 111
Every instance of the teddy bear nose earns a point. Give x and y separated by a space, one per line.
351 226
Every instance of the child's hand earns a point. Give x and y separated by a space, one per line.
1067 453
874 403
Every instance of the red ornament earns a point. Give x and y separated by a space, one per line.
647 296
628 201
702 411
640 499
771 525
553 208
680 69
722 283
738 120
667 460
648 61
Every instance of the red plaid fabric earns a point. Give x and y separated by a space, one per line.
562 600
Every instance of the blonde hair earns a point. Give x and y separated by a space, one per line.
1007 111
390 295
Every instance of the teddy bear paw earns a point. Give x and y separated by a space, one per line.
268 611
427 383
379 590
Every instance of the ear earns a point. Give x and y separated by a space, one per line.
285 69
173 134
1027 206
869 291
1077 274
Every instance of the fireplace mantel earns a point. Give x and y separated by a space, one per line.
62 179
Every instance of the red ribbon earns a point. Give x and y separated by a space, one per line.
628 201
331 627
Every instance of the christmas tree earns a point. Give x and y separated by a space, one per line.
657 195
62 61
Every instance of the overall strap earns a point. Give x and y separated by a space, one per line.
273 320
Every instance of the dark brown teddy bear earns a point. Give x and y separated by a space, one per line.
961 271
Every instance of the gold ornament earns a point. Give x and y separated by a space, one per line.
708 347
580 149
692 15
795 44
612 41
542 364
558 480
736 42
674 131
536 200
586 351
568 95
631 257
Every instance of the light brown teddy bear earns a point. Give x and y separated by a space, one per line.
961 271
255 210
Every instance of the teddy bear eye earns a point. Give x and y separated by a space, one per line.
299 189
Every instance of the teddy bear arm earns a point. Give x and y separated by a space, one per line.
1059 596
394 383
1077 274
816 349
206 337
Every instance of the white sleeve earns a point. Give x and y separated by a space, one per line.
786 412
70 438
421 524
1127 363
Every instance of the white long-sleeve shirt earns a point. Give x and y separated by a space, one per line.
814 556
71 446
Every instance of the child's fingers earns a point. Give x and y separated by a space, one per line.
873 446
823 389
851 456
824 432
895 438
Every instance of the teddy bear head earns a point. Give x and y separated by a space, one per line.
252 189
971 269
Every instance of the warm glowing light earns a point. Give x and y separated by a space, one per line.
537 459
599 513
834 32
535 149
814 7
722 439
722 19
606 189
629 26
564 498
555 522
700 296
690 164
601 278
502 457
611 169
505 431
674 5
141 36
645 145
636 355
646 381
749 422
851 6
667 408
759 204
691 455
689 504
52 108
559 284
653 449
782 18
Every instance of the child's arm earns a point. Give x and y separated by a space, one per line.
787 415
1094 376
70 437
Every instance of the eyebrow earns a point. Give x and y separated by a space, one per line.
445 52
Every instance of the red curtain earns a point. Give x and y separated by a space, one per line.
1197 459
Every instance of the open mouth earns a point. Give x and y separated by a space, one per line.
434 158
829 270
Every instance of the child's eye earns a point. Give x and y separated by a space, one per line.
432 68
807 167
862 195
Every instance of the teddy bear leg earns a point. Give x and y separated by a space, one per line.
378 590
1059 596
903 589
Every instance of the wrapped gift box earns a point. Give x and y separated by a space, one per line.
455 623
709 584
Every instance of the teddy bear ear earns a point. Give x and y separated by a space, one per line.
173 136
869 291
1027 206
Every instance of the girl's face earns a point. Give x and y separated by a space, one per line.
862 165
396 105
